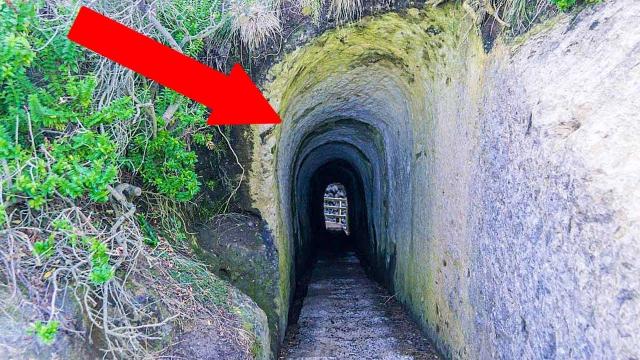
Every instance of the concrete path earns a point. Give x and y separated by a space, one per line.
345 315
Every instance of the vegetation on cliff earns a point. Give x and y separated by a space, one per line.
78 144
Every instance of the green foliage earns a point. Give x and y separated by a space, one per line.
101 274
45 332
3 215
62 152
187 116
44 248
101 270
566 5
189 18
74 166
47 104
166 160
16 53
62 225
166 163
150 234
38 91
121 108
60 145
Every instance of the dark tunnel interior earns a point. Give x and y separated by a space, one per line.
322 242
362 139
324 158
329 163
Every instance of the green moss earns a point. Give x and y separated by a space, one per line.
411 45
247 322
207 287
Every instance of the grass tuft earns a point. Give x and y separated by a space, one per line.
311 8
345 10
522 14
255 23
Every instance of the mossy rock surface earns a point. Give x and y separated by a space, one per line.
239 248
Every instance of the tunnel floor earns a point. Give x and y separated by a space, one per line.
345 315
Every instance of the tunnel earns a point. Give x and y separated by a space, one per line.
351 103
352 118
469 176
323 159
344 142
356 133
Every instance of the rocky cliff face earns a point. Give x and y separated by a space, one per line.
555 217
499 191
239 249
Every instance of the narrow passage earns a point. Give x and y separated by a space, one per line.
345 315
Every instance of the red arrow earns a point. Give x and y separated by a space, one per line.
234 99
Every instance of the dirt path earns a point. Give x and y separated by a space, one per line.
345 315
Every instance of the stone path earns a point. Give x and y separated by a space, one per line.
345 315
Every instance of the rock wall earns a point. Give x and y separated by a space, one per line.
238 248
555 215
501 190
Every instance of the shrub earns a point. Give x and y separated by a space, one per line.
564 5
167 164
44 248
101 271
45 332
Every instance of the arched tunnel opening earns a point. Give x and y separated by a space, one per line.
323 159
352 125
323 243
336 272
351 109
321 165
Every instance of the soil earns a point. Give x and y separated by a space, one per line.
346 315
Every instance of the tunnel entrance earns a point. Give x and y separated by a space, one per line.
338 309
319 160
353 127
362 108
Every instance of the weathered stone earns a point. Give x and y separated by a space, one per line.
239 248
202 338
254 321
18 342
501 190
